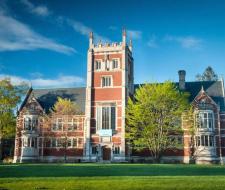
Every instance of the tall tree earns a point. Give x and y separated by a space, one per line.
208 75
10 96
65 109
64 106
154 118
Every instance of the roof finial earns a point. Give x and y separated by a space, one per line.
202 89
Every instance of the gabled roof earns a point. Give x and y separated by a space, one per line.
214 89
48 97
27 95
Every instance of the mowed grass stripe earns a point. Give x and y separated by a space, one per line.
118 183
89 170
111 176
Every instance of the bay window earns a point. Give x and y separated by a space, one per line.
205 140
29 142
30 123
205 119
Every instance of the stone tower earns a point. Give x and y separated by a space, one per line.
109 84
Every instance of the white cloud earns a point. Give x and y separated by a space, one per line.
85 30
15 35
134 34
152 42
76 25
188 42
60 81
40 10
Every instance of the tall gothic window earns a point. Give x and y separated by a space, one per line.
106 117
205 120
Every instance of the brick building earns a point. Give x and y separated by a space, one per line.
98 133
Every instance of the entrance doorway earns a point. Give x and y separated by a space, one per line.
106 153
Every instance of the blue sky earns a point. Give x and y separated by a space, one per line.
45 42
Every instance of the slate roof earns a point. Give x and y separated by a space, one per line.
213 88
48 97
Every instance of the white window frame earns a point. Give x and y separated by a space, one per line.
118 63
56 142
74 123
34 125
111 81
199 138
56 123
72 140
30 142
197 117
95 65
99 118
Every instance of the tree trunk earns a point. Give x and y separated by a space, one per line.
157 159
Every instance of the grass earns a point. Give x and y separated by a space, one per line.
111 176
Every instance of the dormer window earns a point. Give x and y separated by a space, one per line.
97 65
205 119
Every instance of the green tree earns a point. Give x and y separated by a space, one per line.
191 123
64 108
10 96
208 75
154 118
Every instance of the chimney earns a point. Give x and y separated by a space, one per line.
182 74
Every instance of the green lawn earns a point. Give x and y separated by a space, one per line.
111 176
